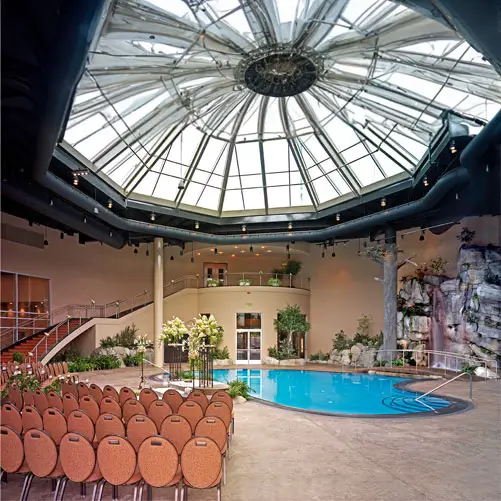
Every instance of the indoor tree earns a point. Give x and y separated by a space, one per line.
291 320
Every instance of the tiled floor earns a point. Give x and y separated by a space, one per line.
281 455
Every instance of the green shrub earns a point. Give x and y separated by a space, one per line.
315 356
67 355
469 369
273 352
107 342
399 362
18 357
101 362
285 351
380 363
54 386
127 336
132 360
319 356
239 388
21 381
274 282
81 364
221 354
340 342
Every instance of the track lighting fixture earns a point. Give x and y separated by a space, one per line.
75 180
383 202
421 237
172 258
453 147
152 217
110 204
96 210
84 219
457 196
425 181
244 228
289 226
197 225
110 233
338 217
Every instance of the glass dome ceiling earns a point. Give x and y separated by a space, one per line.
269 106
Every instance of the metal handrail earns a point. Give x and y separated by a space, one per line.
45 338
418 399
286 279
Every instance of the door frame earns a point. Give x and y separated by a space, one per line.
248 361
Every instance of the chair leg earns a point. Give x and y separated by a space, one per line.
176 493
224 469
101 489
83 489
134 497
232 425
114 494
27 481
95 489
228 447
219 491
149 492
28 486
62 488
141 488
4 477
56 491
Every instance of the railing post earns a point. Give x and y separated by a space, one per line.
290 280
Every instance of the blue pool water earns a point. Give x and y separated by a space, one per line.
340 393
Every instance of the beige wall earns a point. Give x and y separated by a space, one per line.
344 287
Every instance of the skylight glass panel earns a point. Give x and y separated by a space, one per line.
191 91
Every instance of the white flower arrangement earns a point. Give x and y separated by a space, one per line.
142 343
173 331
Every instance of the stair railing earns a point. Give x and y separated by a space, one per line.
43 343
419 399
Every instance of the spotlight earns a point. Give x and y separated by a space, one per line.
457 196
61 236
251 249
75 180
289 227
383 202
110 233
172 258
453 147
425 181
96 210
197 225
244 228
84 219
333 253
181 185
487 168
46 242
338 217
110 204
215 250
135 250
421 237
51 202
152 217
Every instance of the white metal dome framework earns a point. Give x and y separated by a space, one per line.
269 106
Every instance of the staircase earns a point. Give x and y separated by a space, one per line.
408 405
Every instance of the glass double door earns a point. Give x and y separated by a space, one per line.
248 346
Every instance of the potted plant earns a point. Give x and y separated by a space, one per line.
212 282
245 281
274 282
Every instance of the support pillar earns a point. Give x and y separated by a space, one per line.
158 299
390 283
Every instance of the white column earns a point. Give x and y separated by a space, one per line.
158 299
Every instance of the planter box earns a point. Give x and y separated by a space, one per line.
224 361
290 361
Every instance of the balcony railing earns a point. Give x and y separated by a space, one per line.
246 279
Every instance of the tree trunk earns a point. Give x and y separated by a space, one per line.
390 267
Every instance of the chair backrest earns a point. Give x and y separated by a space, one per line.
147 396
200 398
69 387
10 416
70 403
11 447
28 397
177 429
65 367
31 418
109 391
222 396
174 399
15 396
41 452
201 462
116 459
109 424
131 408
139 428
158 411
213 427
54 423
221 410
96 392
88 404
80 422
54 400
192 411
111 406
59 369
40 400
126 394
78 458
158 461
82 389
52 370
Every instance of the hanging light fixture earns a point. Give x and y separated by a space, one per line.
152 217
147 250
287 248
61 236
333 252
75 180
244 228
110 204
421 237
135 250
338 217
110 233
251 249
383 202
425 181
45 242
215 250
197 225
289 226
172 258
453 147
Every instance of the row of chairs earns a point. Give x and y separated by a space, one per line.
155 463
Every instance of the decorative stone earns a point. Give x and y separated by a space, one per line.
355 353
485 373
416 293
418 354
489 293
453 305
224 361
460 349
270 361
434 279
368 357
488 331
486 357
239 400
419 324
449 286
473 255
416 336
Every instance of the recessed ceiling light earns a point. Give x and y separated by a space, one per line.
220 252
198 253
262 247
236 246
269 250
289 226
244 228
233 255
257 254
242 251
197 225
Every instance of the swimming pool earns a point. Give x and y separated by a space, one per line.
333 392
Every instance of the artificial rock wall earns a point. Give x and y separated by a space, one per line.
458 315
